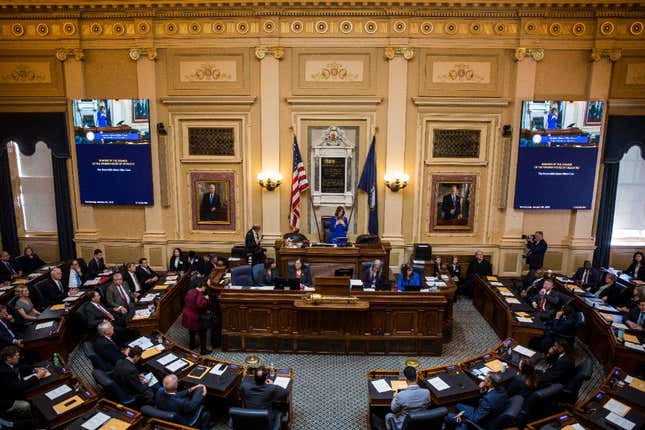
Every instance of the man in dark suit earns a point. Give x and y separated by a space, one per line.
185 403
261 393
477 266
147 276
451 204
16 380
105 346
210 203
252 242
205 266
537 247
8 333
635 319
54 289
28 262
492 403
128 377
96 264
560 365
8 271
587 277
372 276
131 279
547 301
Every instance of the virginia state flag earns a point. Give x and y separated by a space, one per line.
367 183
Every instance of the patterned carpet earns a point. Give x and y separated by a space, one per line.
330 390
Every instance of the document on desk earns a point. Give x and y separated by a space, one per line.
143 342
524 351
219 369
282 381
369 289
92 282
381 385
57 392
176 365
171 277
497 284
620 326
636 383
512 301
620 421
71 299
634 346
576 426
617 407
438 383
44 325
7 287
525 320
152 380
148 298
167 359
169 283
506 293
355 283
96 421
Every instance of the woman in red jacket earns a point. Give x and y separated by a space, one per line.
195 317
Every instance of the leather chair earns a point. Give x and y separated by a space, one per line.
507 418
431 419
112 390
254 419
152 412
97 361
420 269
541 403
572 388
242 275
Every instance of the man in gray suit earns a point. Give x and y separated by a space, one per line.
413 398
119 297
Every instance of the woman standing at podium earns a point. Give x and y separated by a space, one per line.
338 225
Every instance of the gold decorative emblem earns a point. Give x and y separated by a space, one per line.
297 26
17 30
578 29
461 72
63 54
636 28
452 28
69 28
555 29
475 28
242 27
607 28
612 54
143 27
194 27
536 53
42 29
219 27
399 26
208 72
262 51
118 28
370 27
268 26
334 72
136 53
23 74
346 26
392 51
499 28
171 28
531 27
96 28
426 27
321 27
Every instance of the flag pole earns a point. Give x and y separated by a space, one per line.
311 201
351 212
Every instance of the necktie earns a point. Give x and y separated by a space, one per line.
641 319
104 312
135 281
13 336
10 268
211 198
542 303
124 296
584 278
60 287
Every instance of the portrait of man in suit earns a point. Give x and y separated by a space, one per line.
452 202
212 198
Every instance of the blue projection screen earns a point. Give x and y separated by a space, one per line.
556 166
113 151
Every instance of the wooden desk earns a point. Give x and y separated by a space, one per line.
395 323
285 406
379 403
461 386
155 424
558 421
592 411
616 386
44 407
224 385
46 341
501 315
112 410
324 261
57 377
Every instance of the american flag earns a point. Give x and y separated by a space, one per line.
299 184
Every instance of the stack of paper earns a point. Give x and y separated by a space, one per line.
635 346
282 381
355 283
92 282
57 392
44 325
524 351
176 365
96 421
148 298
381 385
512 301
438 383
143 342
620 421
497 284
219 369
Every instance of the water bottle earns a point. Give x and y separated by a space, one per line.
272 371
619 335
57 362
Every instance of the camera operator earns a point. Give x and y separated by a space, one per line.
535 254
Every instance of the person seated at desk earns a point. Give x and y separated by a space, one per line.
265 273
637 268
587 277
529 290
185 403
53 289
106 347
413 398
338 225
205 266
477 266
146 275
192 260
560 365
120 298
96 264
29 262
373 277
436 267
23 306
635 319
454 269
493 401
132 280
407 278
301 273
295 239
525 382
614 294
253 244
547 302
8 333
16 380
8 271
75 277
178 262
94 313
638 293
562 326
261 393
127 375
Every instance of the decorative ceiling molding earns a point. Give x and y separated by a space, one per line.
262 51
336 100
612 54
135 54
461 101
536 54
402 51
63 54
209 100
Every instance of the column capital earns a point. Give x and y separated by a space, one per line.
63 54
403 51
613 55
135 54
537 54
276 52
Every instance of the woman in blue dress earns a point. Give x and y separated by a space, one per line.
338 225
407 278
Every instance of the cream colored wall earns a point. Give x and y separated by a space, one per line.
573 55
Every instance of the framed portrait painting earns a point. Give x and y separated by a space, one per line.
452 200
213 200
140 110
593 115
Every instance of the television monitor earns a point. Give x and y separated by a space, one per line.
112 139
557 155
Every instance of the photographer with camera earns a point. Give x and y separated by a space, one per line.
535 254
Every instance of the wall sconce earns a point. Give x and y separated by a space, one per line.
396 181
269 180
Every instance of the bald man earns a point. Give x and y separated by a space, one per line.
477 266
184 403
54 289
